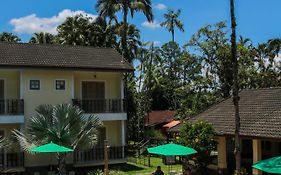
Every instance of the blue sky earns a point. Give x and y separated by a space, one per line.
257 19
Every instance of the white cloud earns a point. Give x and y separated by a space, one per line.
151 25
32 23
160 6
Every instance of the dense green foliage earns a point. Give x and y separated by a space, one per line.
200 136
9 37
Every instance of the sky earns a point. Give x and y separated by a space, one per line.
258 20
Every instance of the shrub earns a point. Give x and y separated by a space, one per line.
200 136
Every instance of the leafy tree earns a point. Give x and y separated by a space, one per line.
172 22
110 8
42 38
200 136
63 124
9 37
214 50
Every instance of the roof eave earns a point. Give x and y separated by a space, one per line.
105 69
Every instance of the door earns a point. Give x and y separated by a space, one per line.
2 98
93 97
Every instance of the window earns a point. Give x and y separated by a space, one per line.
60 84
34 85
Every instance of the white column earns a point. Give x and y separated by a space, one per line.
21 85
123 142
72 86
122 92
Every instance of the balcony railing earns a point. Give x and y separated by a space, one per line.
11 106
97 154
101 105
11 160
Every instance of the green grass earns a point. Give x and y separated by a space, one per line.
137 169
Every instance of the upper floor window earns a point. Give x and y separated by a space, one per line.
60 84
34 84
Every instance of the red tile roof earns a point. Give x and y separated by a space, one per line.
158 117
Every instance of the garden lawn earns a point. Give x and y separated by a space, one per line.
136 169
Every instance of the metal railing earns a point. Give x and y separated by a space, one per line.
11 106
101 105
97 154
11 160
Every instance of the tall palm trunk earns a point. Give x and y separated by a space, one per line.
124 34
235 86
61 163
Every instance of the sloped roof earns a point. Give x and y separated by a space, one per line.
260 113
61 56
158 117
172 124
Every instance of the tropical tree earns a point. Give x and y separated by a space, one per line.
235 88
73 31
62 124
200 136
9 37
102 33
133 39
109 8
42 38
172 22
4 142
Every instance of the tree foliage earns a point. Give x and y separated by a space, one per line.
200 136
9 37
42 38
63 124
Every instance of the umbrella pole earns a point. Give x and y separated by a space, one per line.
148 160
106 171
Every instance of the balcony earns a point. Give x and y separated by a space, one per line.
11 161
101 105
96 155
11 107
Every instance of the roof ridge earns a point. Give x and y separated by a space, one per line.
257 89
55 44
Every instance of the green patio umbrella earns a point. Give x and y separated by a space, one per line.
51 148
171 149
272 165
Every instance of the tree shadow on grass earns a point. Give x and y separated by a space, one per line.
125 167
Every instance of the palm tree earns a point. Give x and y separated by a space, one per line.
172 22
108 8
4 143
235 86
102 33
9 37
73 31
62 124
42 38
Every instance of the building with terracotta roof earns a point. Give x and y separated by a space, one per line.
91 78
260 113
